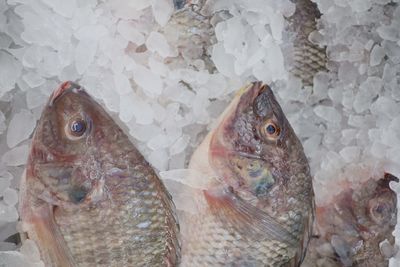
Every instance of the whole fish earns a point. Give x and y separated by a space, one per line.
355 228
255 206
89 198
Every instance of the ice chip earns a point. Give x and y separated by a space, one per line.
159 159
130 32
156 42
150 82
10 71
33 79
64 8
376 55
84 55
122 84
20 127
10 196
91 32
350 153
162 10
329 114
179 145
16 157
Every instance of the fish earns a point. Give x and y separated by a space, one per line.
251 189
89 198
197 19
355 228
308 57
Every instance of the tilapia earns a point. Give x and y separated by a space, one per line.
89 198
355 228
254 197
196 20
309 58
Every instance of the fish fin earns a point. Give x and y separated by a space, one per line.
41 228
37 223
246 218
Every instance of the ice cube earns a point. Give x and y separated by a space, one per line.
7 213
159 159
129 31
162 10
376 55
350 153
179 145
156 42
158 142
122 84
321 83
329 114
10 196
10 71
369 89
20 127
5 181
17 156
84 55
150 82
389 32
223 62
91 32
64 8
33 79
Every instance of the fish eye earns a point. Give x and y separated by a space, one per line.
76 128
380 211
270 130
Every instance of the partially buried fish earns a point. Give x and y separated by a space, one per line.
256 203
89 198
196 20
355 228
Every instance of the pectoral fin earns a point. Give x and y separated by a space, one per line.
245 218
41 227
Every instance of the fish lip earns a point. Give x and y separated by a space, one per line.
65 87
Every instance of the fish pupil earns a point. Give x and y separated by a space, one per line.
271 129
77 194
78 127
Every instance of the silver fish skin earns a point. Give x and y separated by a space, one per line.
255 206
89 198
355 228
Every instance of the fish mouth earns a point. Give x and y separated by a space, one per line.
64 88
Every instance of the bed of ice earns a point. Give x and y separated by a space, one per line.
168 86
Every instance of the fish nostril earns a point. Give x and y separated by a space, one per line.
78 194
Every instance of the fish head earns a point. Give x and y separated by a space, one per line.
65 158
375 209
256 143
359 219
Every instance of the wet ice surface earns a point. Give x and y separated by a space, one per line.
168 91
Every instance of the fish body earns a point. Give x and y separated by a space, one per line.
195 20
355 228
89 198
255 207
308 57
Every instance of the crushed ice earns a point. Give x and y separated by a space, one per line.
166 87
